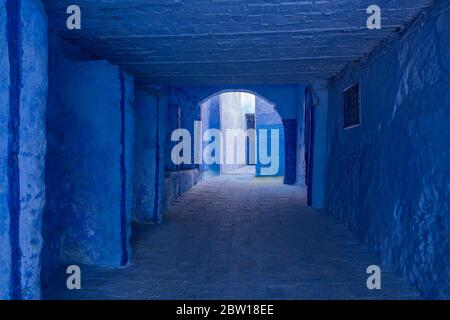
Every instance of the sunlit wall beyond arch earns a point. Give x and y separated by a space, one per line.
229 110
268 119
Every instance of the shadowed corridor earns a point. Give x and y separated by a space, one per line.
122 123
240 237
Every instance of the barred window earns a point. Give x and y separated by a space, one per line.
352 110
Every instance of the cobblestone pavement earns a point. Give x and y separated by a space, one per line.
240 237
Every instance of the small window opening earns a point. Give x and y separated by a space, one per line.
352 116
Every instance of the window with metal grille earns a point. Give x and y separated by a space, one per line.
352 110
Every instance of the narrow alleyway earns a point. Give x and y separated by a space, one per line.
239 237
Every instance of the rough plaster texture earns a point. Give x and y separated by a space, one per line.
83 222
178 182
300 145
389 179
31 157
320 92
61 58
173 110
5 243
163 100
92 151
145 106
233 41
290 151
149 162
23 93
128 149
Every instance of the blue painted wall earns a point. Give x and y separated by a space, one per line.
319 179
128 150
187 107
163 107
90 161
31 158
210 120
149 107
91 151
171 125
23 92
300 145
290 151
284 96
389 179
267 118
146 105
61 58
5 243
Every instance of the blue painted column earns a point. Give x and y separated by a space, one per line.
14 47
290 136
163 103
301 165
127 140
23 93
147 158
58 186
210 116
319 172
32 136
5 242
96 155
309 142
90 166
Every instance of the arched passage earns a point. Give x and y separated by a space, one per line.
287 99
249 129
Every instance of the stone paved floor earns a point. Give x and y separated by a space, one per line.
240 237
